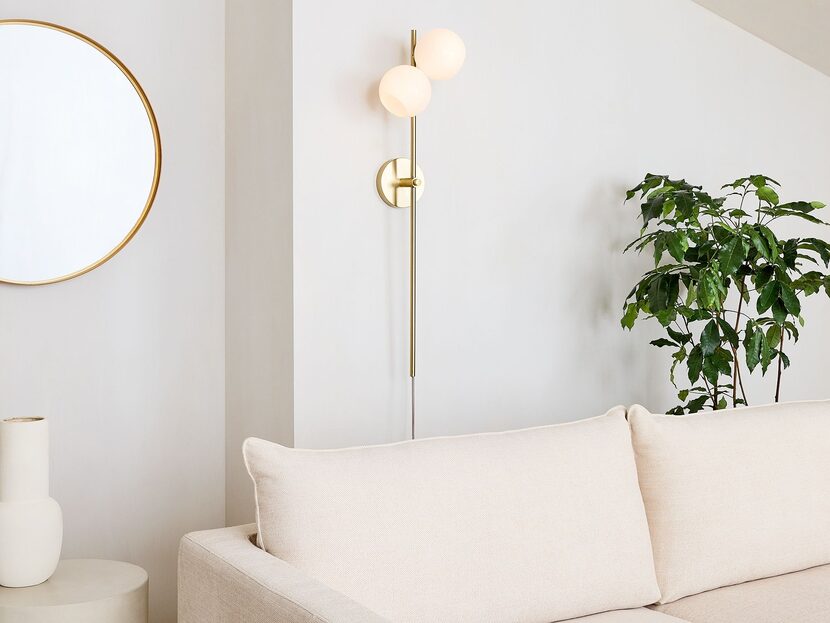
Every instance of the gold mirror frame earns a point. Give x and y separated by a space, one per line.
156 140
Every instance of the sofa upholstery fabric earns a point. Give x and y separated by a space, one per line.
640 615
528 526
734 495
800 597
225 578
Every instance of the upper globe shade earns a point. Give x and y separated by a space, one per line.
405 91
440 54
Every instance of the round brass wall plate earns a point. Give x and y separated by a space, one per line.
390 189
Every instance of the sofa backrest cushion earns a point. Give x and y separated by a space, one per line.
734 495
527 526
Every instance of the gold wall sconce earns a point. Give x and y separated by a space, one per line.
405 91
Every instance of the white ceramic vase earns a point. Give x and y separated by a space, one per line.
31 524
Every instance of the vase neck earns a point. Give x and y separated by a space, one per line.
24 459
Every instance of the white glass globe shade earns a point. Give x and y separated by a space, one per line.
440 54
404 91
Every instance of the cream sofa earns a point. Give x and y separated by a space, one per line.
628 517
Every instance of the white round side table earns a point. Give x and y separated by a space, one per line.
80 591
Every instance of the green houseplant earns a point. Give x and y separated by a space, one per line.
725 288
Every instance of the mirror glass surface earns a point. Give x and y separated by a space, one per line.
79 154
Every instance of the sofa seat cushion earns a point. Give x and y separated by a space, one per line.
527 526
639 615
800 597
734 495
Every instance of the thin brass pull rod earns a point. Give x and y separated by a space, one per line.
413 174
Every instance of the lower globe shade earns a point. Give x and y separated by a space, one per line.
405 91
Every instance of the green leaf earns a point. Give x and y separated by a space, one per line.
779 311
722 403
729 333
809 282
797 206
652 208
663 342
763 275
711 290
678 244
789 253
677 358
723 361
710 370
630 316
659 246
765 193
790 300
737 183
694 364
774 334
819 246
784 360
693 406
772 241
663 292
677 336
710 338
768 296
693 315
666 316
758 242
721 233
732 255
766 355
716 364
752 344
802 215
691 293
683 394
817 205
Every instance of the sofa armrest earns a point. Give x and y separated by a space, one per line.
225 578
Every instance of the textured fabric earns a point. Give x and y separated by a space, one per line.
800 597
527 526
224 578
736 495
640 615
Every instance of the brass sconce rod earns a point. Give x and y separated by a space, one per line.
413 174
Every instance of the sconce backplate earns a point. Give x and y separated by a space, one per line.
392 186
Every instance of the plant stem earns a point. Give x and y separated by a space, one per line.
741 385
780 367
736 365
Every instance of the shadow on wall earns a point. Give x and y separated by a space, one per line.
626 360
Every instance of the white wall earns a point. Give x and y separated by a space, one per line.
128 360
258 303
527 152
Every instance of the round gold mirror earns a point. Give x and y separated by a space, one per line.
80 154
